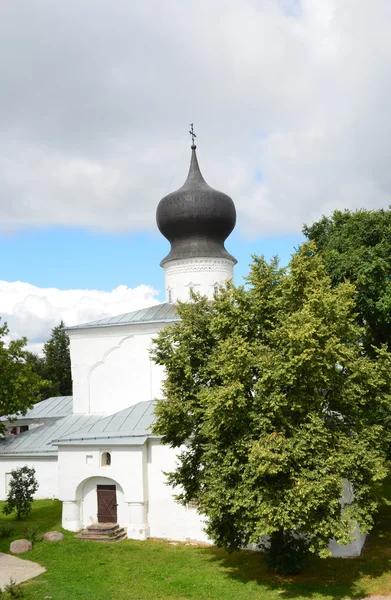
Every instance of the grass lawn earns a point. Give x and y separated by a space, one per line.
156 570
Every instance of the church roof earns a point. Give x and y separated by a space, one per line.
129 426
38 441
160 313
196 219
51 408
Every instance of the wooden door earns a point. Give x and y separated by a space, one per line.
107 503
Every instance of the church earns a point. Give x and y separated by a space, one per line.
95 451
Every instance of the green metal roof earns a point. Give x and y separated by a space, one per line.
161 313
38 441
129 426
51 408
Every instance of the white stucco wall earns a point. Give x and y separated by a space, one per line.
202 274
353 549
45 472
146 506
167 518
111 368
80 471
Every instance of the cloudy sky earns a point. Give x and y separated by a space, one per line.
290 101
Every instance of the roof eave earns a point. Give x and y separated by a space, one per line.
26 454
83 327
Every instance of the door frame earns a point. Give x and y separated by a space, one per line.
107 488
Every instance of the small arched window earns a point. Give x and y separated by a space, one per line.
105 459
170 295
216 289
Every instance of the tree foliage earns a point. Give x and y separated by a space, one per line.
54 367
57 362
22 487
270 400
357 246
38 366
19 386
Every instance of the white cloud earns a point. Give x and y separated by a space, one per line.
32 311
96 99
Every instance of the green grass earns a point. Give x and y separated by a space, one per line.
156 570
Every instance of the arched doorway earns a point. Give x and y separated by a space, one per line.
102 501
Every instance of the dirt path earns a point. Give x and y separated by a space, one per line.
17 569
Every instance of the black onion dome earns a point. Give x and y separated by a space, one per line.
196 219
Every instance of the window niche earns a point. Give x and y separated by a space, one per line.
7 482
105 459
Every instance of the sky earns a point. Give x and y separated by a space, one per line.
290 102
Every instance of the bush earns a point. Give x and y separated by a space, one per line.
12 590
23 486
31 533
6 531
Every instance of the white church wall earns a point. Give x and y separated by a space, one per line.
167 518
45 473
355 547
201 274
350 550
111 368
80 471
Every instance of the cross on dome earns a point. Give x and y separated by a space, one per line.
193 135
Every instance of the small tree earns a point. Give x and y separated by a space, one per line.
23 486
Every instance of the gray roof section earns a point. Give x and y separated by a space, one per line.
51 408
161 313
38 441
129 426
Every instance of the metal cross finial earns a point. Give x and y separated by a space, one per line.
193 135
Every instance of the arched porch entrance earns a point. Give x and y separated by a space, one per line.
93 502
102 501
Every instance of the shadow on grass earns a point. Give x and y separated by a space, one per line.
335 578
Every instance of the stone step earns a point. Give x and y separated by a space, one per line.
103 527
91 538
103 532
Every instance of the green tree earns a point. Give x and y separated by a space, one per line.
38 366
57 360
20 387
22 487
269 399
357 246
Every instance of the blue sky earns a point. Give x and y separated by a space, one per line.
74 258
